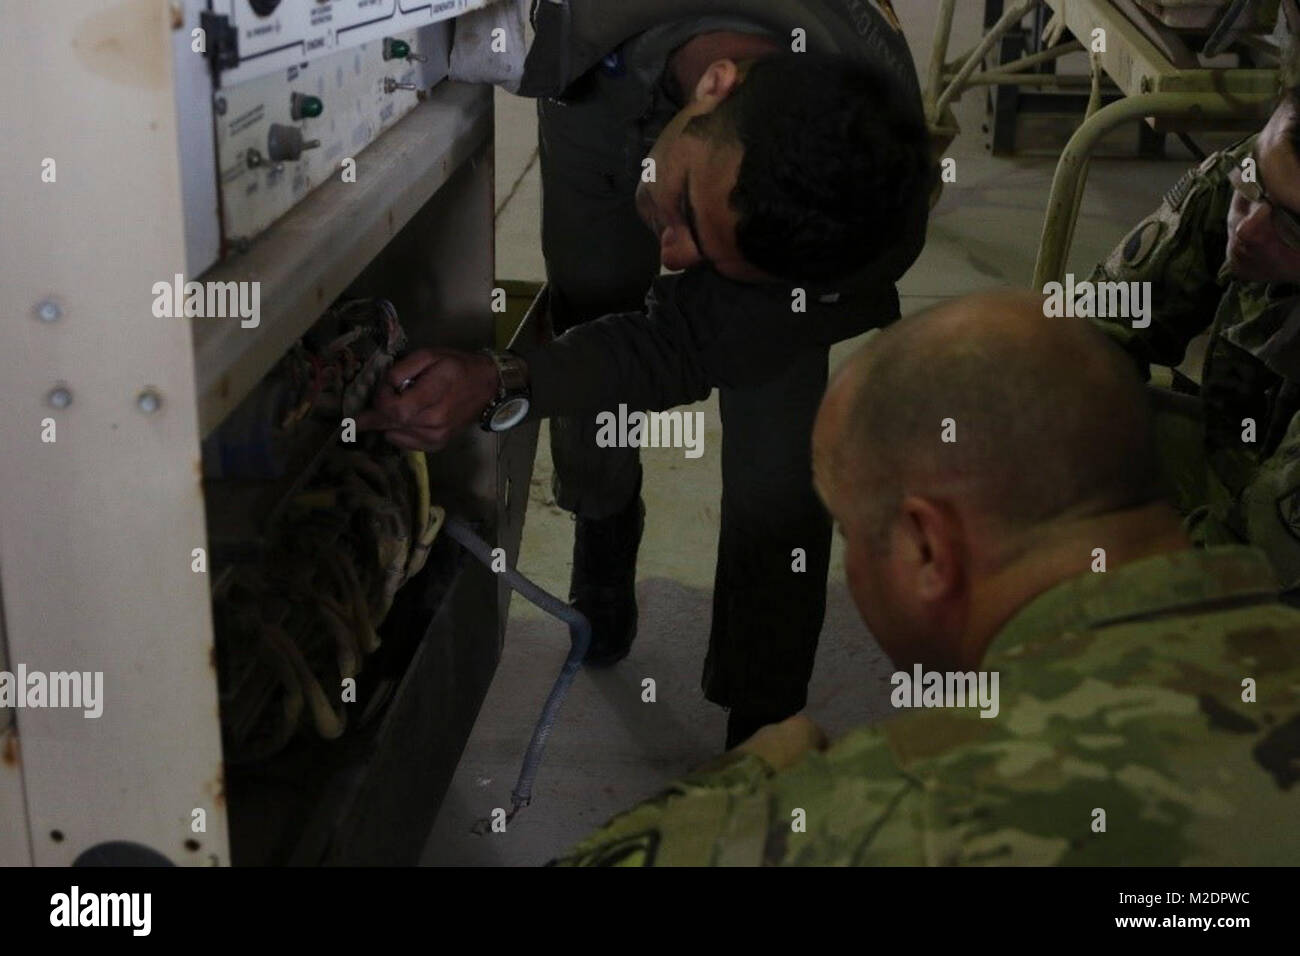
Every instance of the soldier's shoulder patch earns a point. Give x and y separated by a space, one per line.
887 11
1141 241
1177 193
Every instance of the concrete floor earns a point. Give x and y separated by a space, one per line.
609 749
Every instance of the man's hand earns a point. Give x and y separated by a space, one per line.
447 391
785 744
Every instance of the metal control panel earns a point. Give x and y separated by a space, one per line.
111 396
281 95
282 134
272 35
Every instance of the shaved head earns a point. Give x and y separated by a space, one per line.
975 455
1045 417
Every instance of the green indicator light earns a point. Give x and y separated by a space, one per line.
302 106
396 49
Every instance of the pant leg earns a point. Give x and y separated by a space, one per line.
767 617
600 259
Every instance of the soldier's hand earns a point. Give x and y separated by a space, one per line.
785 744
430 396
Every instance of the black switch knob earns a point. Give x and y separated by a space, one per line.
286 142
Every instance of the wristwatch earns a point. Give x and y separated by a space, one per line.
511 405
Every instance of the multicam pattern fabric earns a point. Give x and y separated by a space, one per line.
1129 733
1250 382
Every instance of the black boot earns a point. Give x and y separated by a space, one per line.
604 580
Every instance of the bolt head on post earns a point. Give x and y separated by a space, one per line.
148 401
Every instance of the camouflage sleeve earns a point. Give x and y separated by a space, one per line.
865 802
683 825
1179 249
1135 739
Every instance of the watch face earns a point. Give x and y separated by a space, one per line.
509 414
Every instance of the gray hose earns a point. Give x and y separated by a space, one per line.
580 640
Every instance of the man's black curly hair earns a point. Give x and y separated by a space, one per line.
833 164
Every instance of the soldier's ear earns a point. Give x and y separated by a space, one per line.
717 82
933 538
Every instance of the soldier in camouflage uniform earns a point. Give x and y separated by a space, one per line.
1149 706
1223 253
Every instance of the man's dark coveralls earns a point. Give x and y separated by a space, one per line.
656 342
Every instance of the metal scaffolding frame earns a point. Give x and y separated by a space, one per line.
1170 96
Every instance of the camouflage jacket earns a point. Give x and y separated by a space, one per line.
1123 737
1252 365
